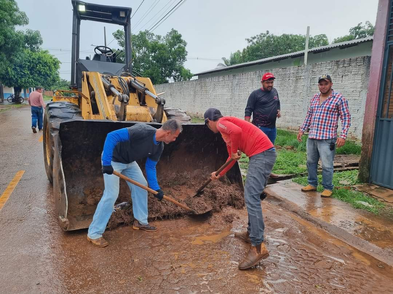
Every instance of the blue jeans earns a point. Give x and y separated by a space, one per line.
271 133
36 115
320 149
259 169
105 206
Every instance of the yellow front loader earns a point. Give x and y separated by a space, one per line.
105 96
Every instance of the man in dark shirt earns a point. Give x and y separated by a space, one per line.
122 149
264 106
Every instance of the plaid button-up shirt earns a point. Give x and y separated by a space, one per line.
322 119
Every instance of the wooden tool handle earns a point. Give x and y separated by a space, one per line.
150 190
217 173
177 203
224 166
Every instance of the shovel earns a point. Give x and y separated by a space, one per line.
200 190
152 191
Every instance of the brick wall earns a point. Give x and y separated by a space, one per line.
296 85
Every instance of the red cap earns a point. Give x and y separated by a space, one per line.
268 76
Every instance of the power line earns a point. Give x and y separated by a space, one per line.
61 49
168 4
137 9
158 23
148 12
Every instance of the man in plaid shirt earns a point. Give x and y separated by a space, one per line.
322 123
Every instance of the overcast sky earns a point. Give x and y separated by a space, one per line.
212 28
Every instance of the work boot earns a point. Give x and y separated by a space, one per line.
100 242
309 188
326 193
244 236
254 256
263 196
138 226
34 130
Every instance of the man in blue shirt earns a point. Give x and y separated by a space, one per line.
122 149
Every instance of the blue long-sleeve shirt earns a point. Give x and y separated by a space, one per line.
132 144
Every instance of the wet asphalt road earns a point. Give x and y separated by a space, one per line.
186 255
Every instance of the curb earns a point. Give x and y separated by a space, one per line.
356 242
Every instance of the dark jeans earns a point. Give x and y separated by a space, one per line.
271 133
259 169
36 115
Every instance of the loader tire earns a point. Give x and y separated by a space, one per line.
55 113
177 113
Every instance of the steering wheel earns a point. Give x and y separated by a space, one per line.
103 50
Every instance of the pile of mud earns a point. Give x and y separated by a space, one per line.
181 187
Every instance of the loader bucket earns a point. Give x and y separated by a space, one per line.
184 164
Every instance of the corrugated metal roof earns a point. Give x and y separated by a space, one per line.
289 55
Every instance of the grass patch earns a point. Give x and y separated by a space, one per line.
47 98
341 179
350 147
289 139
7 107
356 199
197 120
290 162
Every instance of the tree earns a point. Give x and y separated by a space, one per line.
267 45
11 40
31 68
161 58
62 84
22 63
357 32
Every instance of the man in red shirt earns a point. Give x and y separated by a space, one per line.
37 105
242 136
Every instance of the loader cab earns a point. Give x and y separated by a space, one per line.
104 59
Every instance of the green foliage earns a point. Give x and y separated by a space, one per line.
32 40
195 119
267 45
31 69
292 155
340 179
357 32
161 58
61 84
350 147
288 139
11 40
356 199
290 162
22 64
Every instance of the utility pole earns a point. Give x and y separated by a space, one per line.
105 36
306 49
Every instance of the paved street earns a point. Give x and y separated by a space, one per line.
185 255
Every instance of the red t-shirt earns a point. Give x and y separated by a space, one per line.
242 135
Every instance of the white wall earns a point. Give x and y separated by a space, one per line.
296 85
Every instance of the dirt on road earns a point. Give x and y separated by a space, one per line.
190 255
185 255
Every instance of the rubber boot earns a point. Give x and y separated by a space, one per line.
244 236
254 256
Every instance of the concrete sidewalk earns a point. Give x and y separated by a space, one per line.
365 231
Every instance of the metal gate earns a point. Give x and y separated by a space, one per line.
382 158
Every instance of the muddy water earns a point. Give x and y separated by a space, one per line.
200 255
374 229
